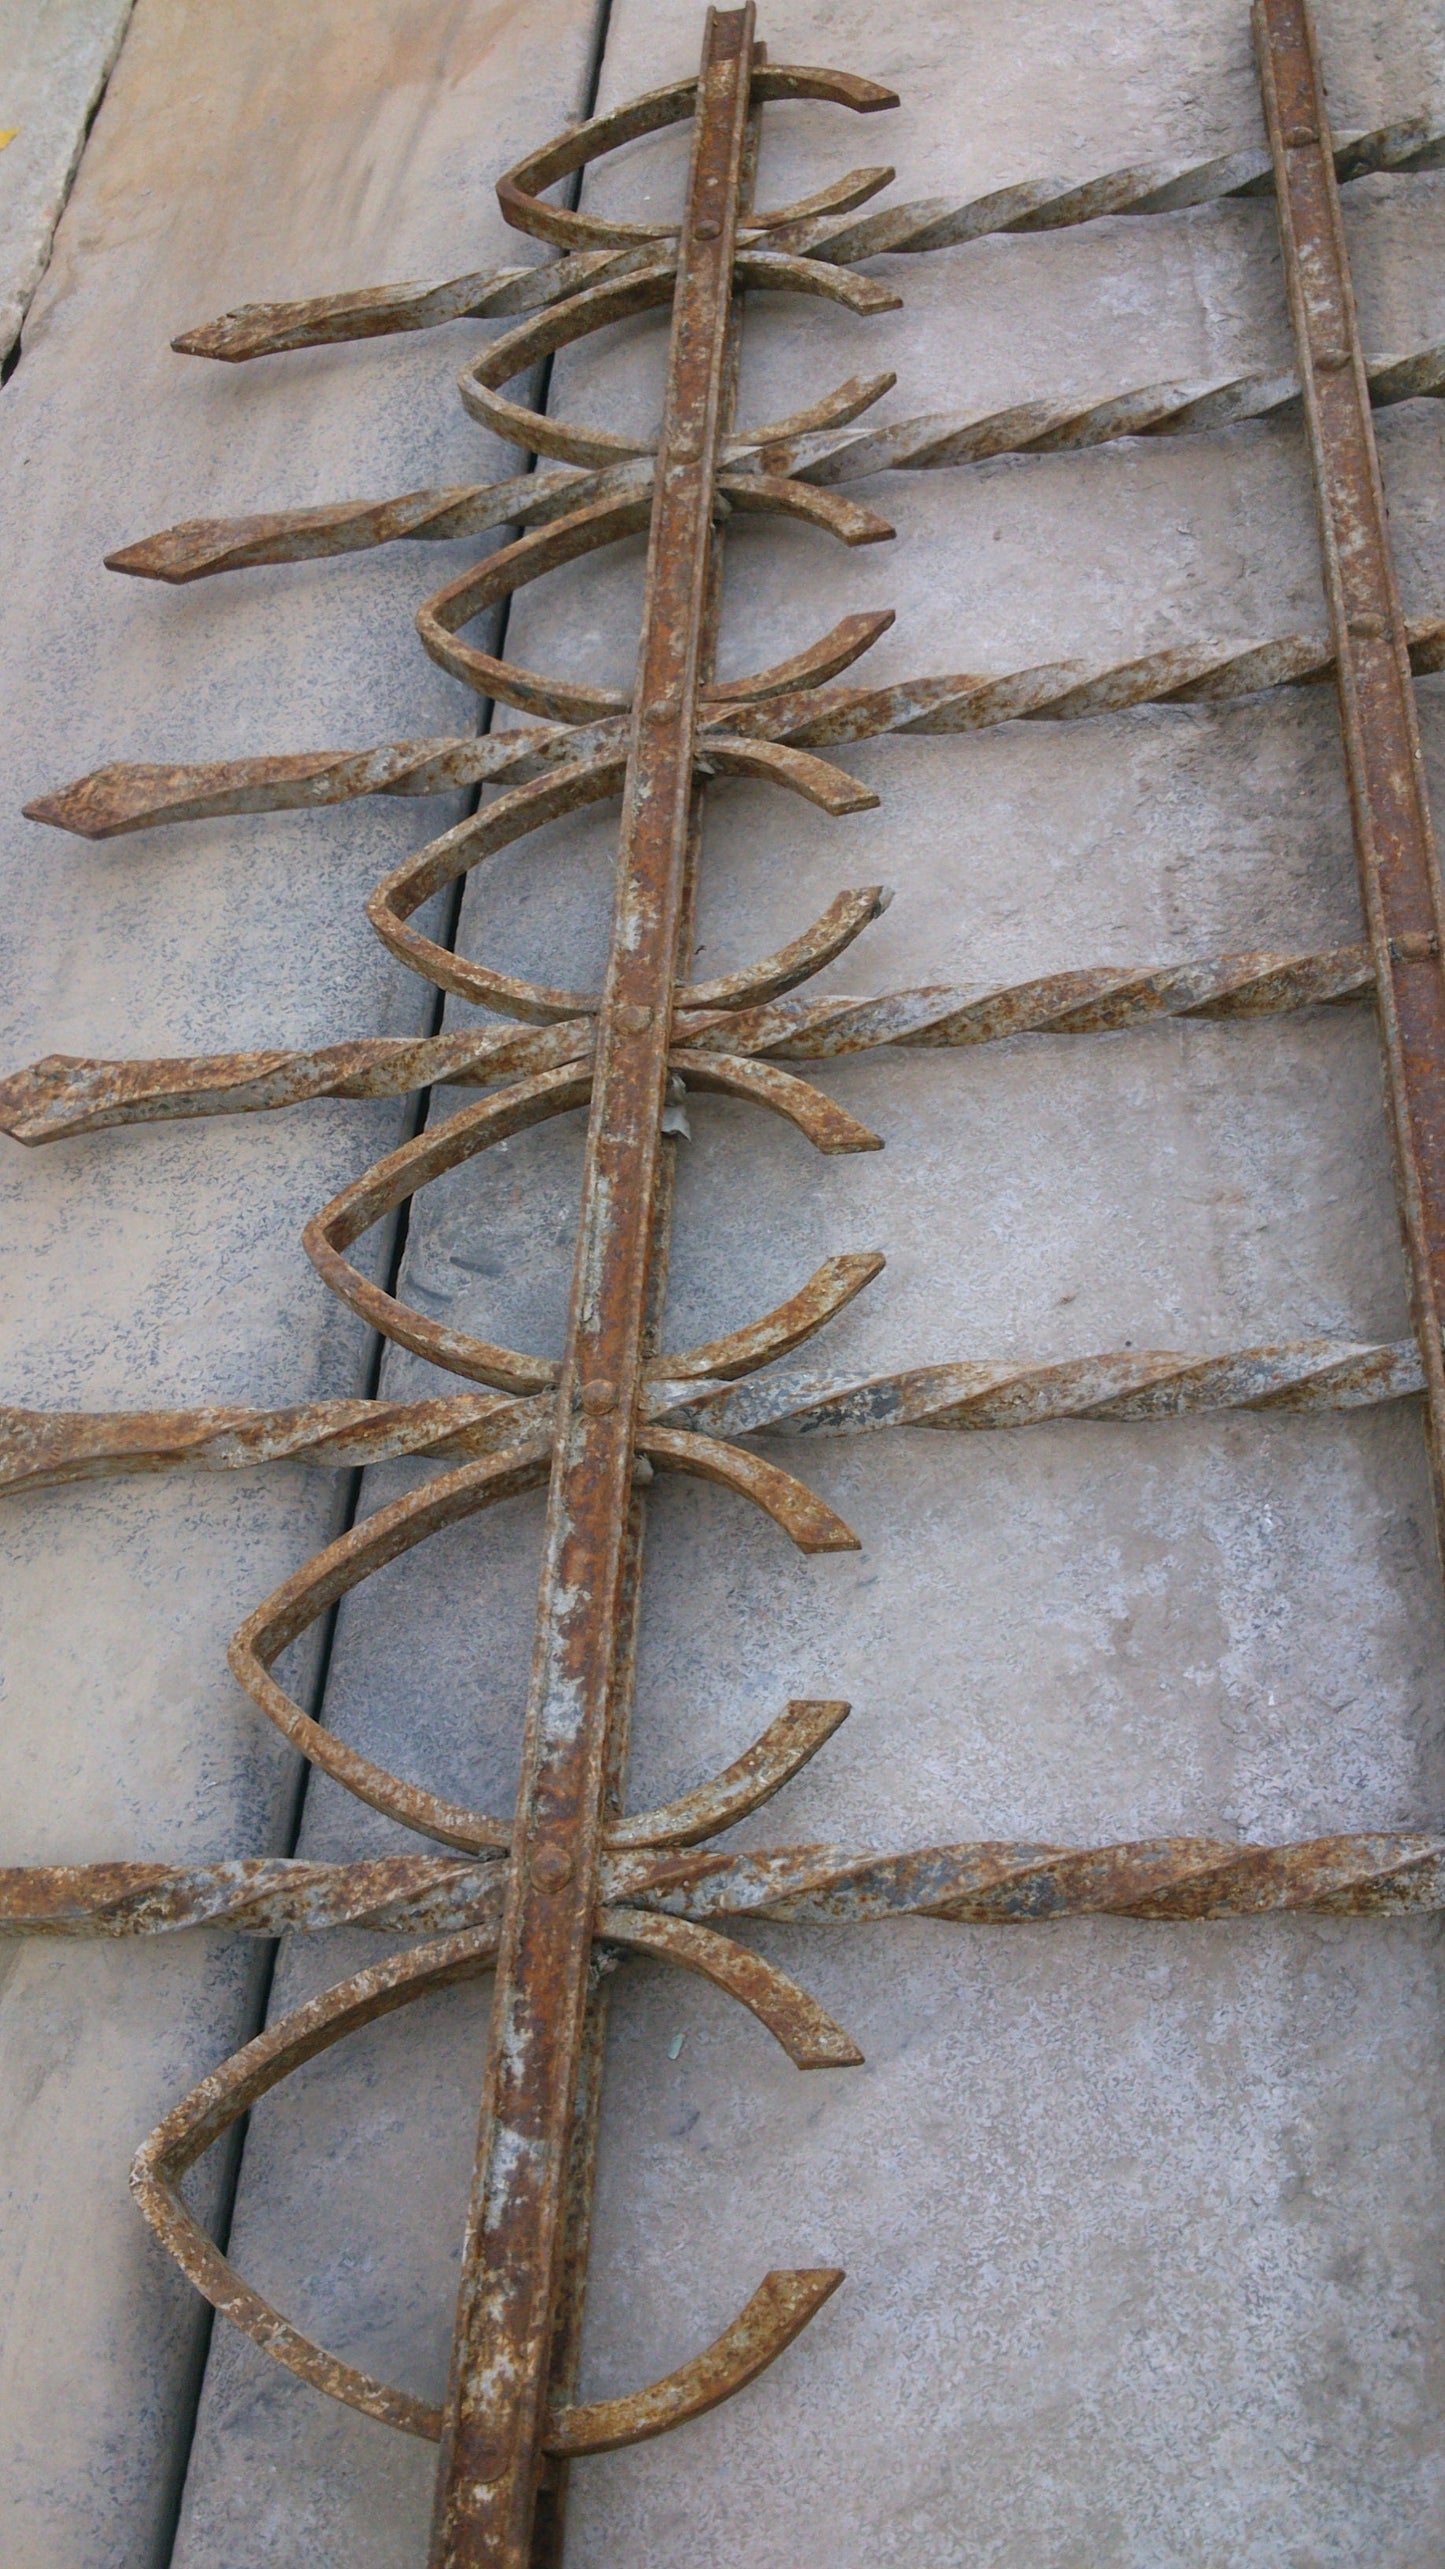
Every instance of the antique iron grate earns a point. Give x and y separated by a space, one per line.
546 1898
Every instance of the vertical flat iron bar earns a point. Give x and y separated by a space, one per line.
1394 841
496 2410
549 2522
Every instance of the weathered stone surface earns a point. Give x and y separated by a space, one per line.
56 57
1142 2224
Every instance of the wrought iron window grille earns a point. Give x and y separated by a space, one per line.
546 1897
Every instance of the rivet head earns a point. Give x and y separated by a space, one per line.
633 1016
707 229
486 2460
1367 628
1297 137
550 1867
599 1398
1332 361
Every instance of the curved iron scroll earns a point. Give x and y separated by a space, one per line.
583 1420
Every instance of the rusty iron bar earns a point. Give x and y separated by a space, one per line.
1033 205
66 1094
782 2305
1309 1374
567 1430
495 2421
1389 804
1103 999
994 1882
824 455
579 2182
41 1449
571 765
663 1902
789 1740
1149 187
1069 424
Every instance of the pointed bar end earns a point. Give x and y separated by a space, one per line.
850 89
210 339
152 559
832 1537
62 812
843 1133
85 808
839 2052
17 1105
864 526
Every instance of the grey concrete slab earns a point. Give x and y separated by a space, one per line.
241 152
57 57
1141 2224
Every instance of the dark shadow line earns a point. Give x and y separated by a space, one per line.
259 2013
14 352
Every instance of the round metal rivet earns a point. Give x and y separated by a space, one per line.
599 1397
1298 136
551 1867
487 2458
707 229
1331 360
633 1017
1367 628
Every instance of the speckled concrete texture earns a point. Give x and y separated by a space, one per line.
242 151
1141 2224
